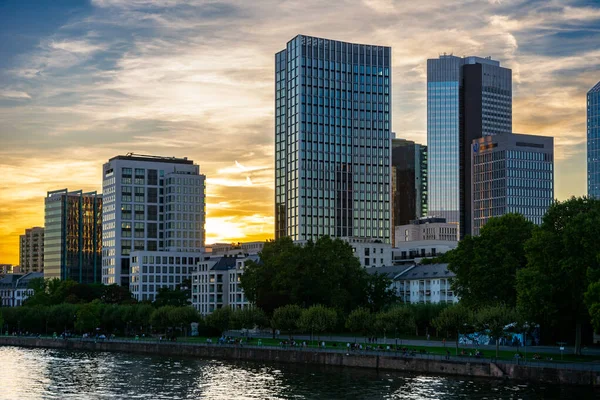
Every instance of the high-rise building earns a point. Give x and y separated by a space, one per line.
152 204
467 98
593 141
409 181
73 236
31 250
511 174
332 140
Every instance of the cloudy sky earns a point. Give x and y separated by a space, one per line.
82 81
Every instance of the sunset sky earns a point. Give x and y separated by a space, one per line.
83 81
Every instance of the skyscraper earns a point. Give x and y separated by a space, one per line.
332 139
467 98
409 181
511 174
31 250
151 203
593 141
73 236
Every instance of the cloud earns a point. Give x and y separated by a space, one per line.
195 79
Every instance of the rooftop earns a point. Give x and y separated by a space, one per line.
596 88
426 271
151 158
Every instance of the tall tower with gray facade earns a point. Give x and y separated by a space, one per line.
593 141
467 98
332 140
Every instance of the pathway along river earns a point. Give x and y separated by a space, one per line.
62 374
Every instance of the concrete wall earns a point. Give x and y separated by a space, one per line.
266 354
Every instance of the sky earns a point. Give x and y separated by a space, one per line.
83 81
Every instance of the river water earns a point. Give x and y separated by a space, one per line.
61 374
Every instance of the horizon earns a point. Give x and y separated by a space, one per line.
85 81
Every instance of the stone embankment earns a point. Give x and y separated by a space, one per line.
387 361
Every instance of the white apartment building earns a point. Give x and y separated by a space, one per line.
151 270
429 228
151 204
424 283
216 283
14 288
413 252
370 253
31 250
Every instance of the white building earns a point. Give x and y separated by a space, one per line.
370 253
426 283
14 288
151 270
430 228
151 204
216 283
413 252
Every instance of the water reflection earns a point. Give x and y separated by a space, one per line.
58 374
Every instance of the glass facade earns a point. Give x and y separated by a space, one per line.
73 222
332 140
467 98
409 181
593 141
512 174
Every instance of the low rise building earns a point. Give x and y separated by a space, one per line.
430 228
152 270
237 249
14 288
413 252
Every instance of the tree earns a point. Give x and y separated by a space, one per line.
115 294
454 320
61 317
182 317
34 319
248 318
360 321
317 319
380 292
424 314
88 317
398 319
486 265
172 297
494 319
323 272
162 319
220 319
286 318
562 262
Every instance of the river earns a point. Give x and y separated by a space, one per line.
60 374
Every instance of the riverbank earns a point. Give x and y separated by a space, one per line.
371 360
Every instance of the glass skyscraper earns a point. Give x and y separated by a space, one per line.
467 98
593 141
409 181
332 139
73 236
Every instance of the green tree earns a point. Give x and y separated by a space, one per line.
317 319
1 323
398 319
562 262
494 319
454 320
360 321
61 317
380 292
34 319
182 317
424 315
220 319
486 265
286 318
162 318
115 294
88 317
172 297
248 318
323 272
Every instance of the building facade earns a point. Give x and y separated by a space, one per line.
73 236
467 98
426 284
332 140
151 204
511 174
6 269
593 141
409 181
429 228
14 288
412 252
31 250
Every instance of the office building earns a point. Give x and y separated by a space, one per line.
73 236
332 140
467 98
593 141
409 181
152 204
429 228
31 250
414 251
511 174
6 269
